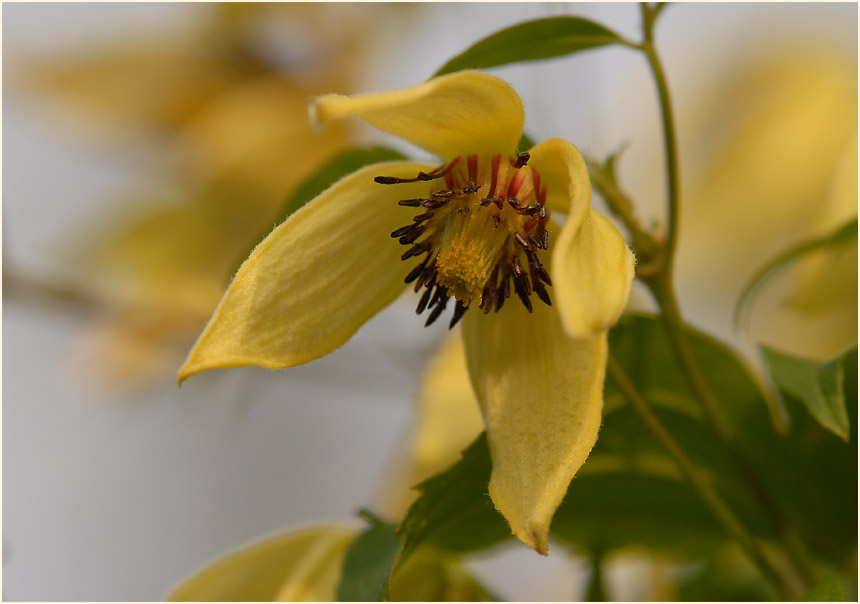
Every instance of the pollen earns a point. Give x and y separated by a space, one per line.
483 223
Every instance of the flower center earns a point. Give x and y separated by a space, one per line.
483 223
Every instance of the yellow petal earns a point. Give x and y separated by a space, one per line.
452 115
592 268
447 421
541 394
315 279
592 275
563 171
302 566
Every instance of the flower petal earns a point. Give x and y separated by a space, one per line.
563 171
592 275
315 279
541 394
452 115
302 565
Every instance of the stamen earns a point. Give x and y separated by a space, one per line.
476 227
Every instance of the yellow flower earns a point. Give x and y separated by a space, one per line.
305 565
484 234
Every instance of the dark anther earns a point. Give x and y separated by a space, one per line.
540 271
419 248
522 241
487 298
502 295
459 311
541 292
496 221
527 286
402 230
534 241
412 203
462 211
470 188
515 203
425 298
440 306
521 292
432 204
488 200
387 180
532 209
515 265
422 217
506 288
543 212
522 160
414 273
412 235
544 240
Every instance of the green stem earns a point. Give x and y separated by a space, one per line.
660 283
673 189
723 513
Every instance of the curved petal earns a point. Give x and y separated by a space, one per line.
563 171
592 274
298 566
452 115
315 279
541 394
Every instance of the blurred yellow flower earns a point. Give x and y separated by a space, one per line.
537 371
777 142
235 111
305 565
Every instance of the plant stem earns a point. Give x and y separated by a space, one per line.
689 471
673 190
660 283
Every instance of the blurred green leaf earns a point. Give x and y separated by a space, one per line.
525 143
367 563
843 234
810 475
817 386
340 165
454 511
531 41
613 510
828 589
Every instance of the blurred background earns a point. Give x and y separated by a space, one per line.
147 147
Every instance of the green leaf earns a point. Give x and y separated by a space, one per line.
368 562
613 510
843 234
819 387
811 476
454 511
342 164
828 589
525 143
531 41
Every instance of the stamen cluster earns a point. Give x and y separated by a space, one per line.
481 234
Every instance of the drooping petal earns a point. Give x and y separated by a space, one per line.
541 394
452 115
298 566
562 169
315 279
592 275
592 267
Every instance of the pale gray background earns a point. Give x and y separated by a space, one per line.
118 500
